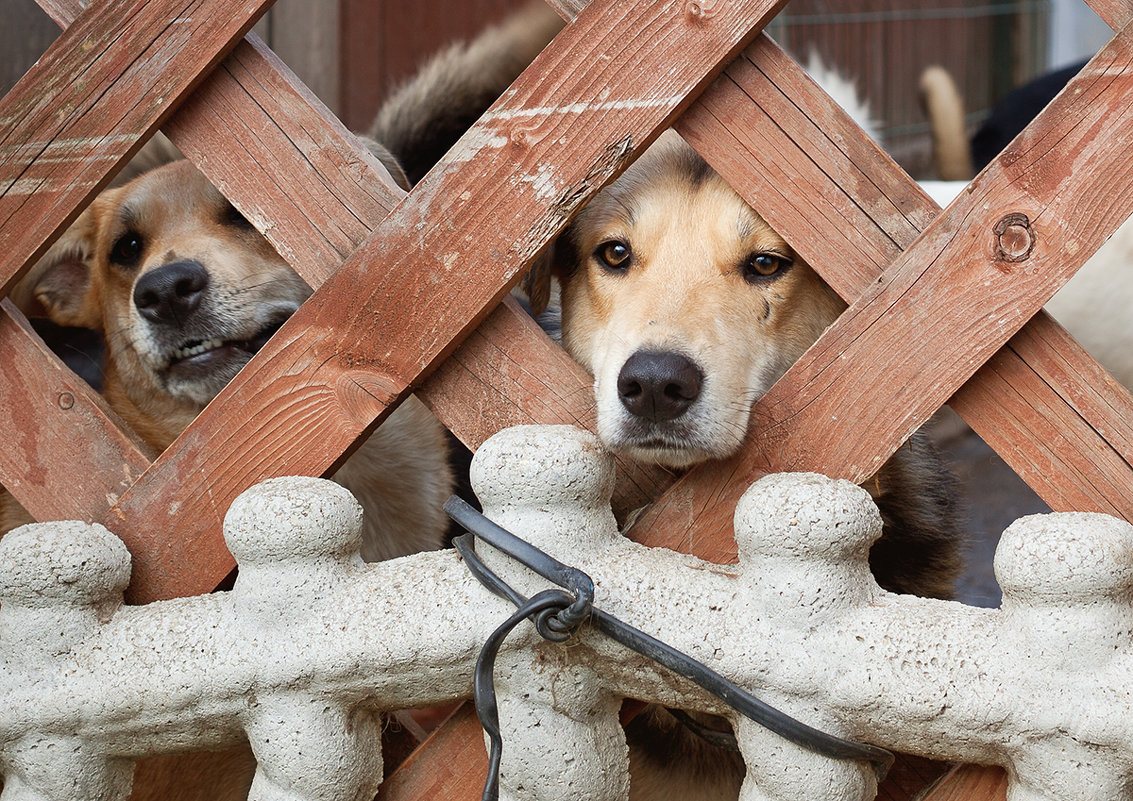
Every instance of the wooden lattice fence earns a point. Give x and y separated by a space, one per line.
944 308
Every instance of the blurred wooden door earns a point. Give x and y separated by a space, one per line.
384 42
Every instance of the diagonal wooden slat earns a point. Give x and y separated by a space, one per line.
62 136
850 244
951 279
1116 13
368 335
57 147
39 398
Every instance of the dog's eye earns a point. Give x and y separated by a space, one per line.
127 250
764 265
613 255
232 217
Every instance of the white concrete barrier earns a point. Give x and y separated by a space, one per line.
311 643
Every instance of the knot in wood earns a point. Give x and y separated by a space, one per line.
1014 238
700 10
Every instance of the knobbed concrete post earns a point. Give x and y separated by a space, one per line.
311 644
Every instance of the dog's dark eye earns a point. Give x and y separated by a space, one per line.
760 266
613 255
127 251
232 217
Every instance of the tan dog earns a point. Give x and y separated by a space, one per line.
686 307
184 291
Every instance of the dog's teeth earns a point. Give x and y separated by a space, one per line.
185 353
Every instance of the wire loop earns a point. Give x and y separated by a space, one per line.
558 613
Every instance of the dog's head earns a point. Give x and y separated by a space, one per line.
684 305
182 287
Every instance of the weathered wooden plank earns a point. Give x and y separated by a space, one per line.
61 136
1047 349
284 160
1116 13
40 402
421 776
1085 477
307 36
908 776
801 161
369 334
970 783
798 406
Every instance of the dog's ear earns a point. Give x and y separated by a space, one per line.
537 283
60 285
559 261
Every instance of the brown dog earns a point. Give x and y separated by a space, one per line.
686 307
184 291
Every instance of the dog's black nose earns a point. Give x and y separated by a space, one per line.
658 386
172 292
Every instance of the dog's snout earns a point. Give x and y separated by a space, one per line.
658 386
171 292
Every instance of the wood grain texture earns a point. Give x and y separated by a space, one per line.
987 300
1116 13
40 402
423 281
908 776
307 36
61 137
462 739
284 160
970 783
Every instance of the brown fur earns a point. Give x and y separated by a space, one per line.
711 300
425 116
172 215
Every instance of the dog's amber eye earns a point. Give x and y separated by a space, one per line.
613 255
764 265
127 250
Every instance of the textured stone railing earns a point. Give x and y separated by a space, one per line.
311 643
